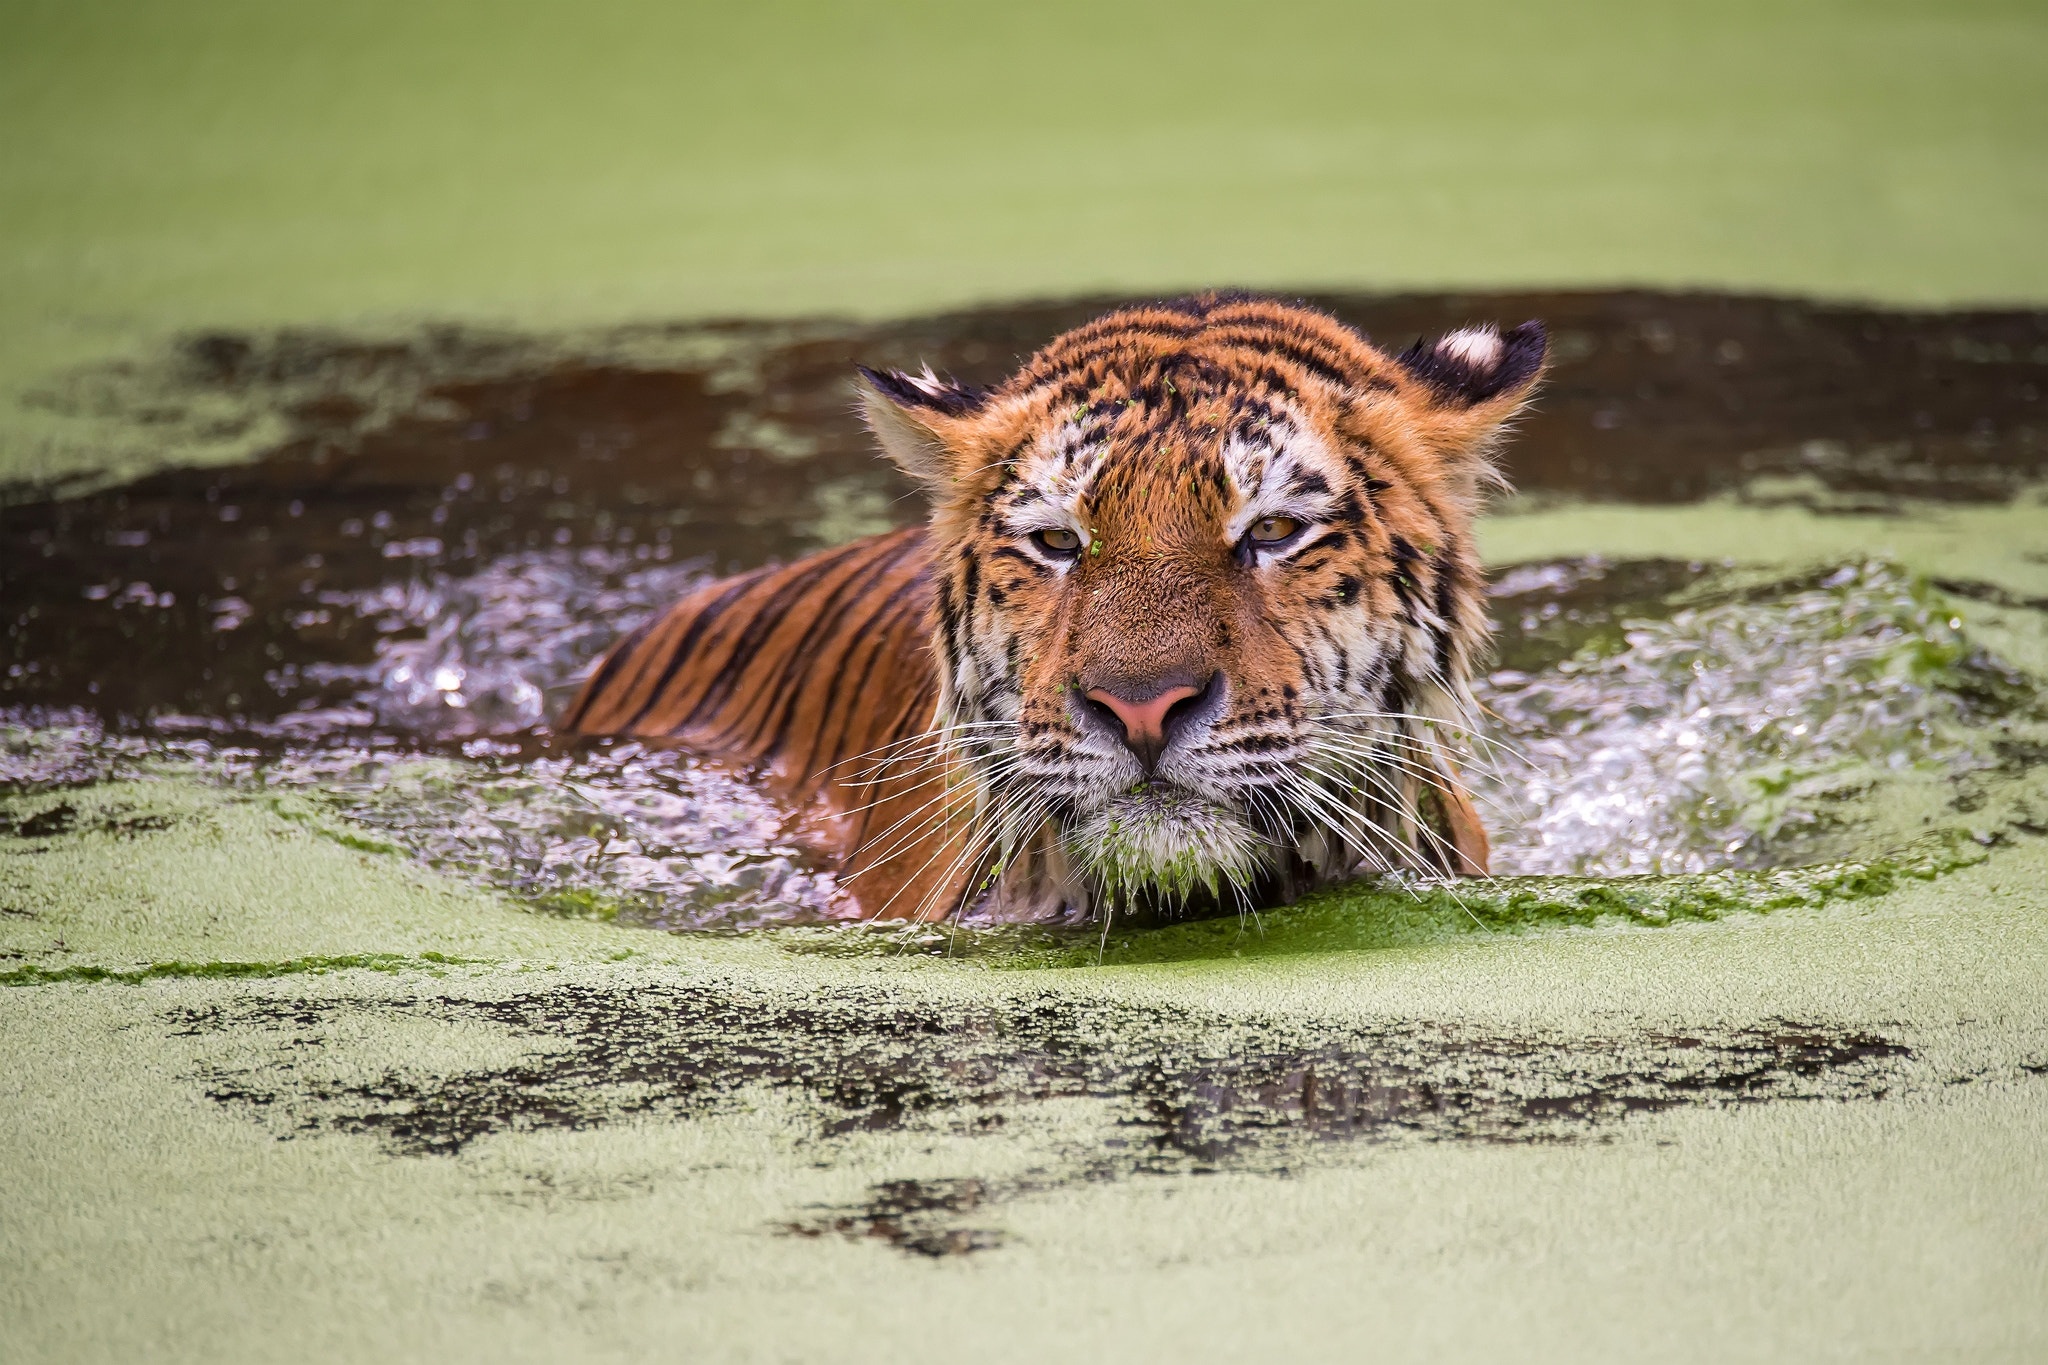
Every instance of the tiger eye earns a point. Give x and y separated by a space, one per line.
1057 540
1271 530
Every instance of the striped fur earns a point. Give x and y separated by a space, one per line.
1106 529
805 674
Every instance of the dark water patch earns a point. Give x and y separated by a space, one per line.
42 824
225 970
1191 1089
1974 591
1169 1090
266 587
921 1217
1545 613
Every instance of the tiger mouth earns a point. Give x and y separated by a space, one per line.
1164 843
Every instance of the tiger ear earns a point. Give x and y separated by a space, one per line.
914 415
1477 366
1459 391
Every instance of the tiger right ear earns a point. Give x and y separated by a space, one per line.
912 415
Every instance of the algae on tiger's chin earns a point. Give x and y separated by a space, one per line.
1160 844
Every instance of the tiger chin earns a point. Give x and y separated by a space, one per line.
1190 627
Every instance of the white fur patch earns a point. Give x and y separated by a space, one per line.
1061 470
927 383
1477 348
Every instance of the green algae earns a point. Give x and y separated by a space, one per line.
159 971
513 1161
159 877
347 836
236 1155
332 166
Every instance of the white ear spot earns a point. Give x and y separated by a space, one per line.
927 383
1476 348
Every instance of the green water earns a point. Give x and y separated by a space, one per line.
323 1033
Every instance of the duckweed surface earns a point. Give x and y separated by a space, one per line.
332 996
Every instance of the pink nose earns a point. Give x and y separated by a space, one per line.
1144 721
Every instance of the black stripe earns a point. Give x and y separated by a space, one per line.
970 589
1012 552
1406 556
606 670
749 642
804 651
1316 361
706 615
1446 605
893 602
949 617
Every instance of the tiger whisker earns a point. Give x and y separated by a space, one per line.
972 835
1407 746
924 741
1435 722
1369 757
944 800
1346 822
1452 857
948 809
971 850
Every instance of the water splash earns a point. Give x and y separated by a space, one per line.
434 748
643 836
1761 729
494 652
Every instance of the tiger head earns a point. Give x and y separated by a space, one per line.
1207 600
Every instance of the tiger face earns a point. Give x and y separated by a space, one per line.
1207 600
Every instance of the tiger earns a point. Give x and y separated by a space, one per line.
1190 625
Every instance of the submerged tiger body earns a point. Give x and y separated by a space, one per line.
1192 622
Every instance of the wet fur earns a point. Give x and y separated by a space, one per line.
921 690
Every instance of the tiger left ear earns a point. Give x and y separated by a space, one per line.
1455 394
918 419
1479 365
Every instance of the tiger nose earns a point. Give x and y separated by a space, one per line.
1147 722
